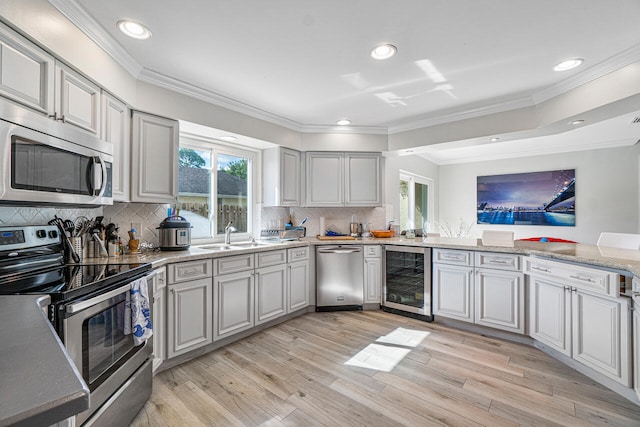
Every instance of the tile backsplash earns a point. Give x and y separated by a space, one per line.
19 215
150 215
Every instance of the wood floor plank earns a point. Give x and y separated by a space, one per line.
294 374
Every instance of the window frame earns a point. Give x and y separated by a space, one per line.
216 148
413 178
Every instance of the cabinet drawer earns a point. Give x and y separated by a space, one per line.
232 264
372 251
498 261
582 278
451 256
297 254
191 270
265 259
159 279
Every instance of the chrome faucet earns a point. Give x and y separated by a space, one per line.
227 233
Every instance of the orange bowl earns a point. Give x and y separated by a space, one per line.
382 233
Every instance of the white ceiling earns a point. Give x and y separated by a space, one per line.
307 63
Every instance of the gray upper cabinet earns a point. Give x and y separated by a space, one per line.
363 177
343 179
77 100
26 72
154 159
116 129
281 177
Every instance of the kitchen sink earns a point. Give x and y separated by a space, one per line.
216 247
249 244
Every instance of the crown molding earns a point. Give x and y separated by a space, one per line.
614 63
79 17
561 149
499 107
350 129
188 89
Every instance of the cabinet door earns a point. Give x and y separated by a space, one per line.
116 129
289 177
271 293
550 314
26 72
298 286
159 317
154 159
373 280
636 345
325 179
500 299
77 100
234 297
453 292
601 335
363 177
189 316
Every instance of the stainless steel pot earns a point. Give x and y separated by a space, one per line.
174 233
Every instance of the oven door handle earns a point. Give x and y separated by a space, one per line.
79 306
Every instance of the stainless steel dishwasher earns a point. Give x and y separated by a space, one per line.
339 278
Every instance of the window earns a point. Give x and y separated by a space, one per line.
416 205
215 187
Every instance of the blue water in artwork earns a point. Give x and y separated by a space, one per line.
527 218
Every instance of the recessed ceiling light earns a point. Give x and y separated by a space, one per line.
568 64
577 122
494 139
343 122
384 51
228 138
134 29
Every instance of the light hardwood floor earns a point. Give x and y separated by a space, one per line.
294 374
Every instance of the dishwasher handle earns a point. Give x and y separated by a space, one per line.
340 250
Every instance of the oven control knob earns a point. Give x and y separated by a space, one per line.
41 234
53 234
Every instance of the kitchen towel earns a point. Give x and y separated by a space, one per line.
138 312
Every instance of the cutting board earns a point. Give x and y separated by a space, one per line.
334 237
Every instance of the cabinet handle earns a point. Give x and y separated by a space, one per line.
497 261
53 116
584 279
533 267
635 293
173 291
61 119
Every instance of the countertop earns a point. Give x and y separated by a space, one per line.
55 390
40 385
624 260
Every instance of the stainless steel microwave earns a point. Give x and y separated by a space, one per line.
47 163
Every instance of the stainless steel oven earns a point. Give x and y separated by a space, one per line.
87 310
407 281
47 163
94 336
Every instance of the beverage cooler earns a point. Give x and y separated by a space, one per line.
407 281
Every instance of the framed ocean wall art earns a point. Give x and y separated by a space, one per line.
531 198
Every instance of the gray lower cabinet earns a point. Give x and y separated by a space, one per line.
234 299
159 316
298 285
271 293
189 307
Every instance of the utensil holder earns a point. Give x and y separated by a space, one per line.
76 244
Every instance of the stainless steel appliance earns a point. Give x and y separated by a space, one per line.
339 277
175 234
44 162
87 311
407 281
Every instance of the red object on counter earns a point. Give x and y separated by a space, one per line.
547 239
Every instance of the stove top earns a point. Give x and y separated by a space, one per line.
71 281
